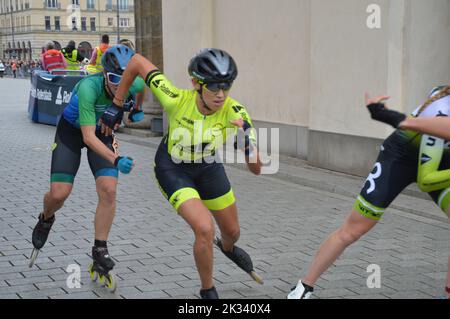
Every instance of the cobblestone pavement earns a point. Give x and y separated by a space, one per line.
284 218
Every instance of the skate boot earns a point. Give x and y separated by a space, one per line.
301 291
40 235
101 268
242 259
210 293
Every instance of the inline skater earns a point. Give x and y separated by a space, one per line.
79 127
198 188
406 157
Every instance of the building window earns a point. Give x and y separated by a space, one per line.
110 22
52 3
83 24
90 4
57 23
92 24
29 23
109 5
47 23
76 2
74 24
123 5
124 22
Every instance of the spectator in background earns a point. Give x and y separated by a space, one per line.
95 65
52 59
73 58
2 69
128 43
14 68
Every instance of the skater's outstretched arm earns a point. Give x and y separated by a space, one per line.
124 164
434 126
92 141
138 66
252 157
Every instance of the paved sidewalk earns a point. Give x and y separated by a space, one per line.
284 219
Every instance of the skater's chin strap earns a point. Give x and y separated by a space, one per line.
200 92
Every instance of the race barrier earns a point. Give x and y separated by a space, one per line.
50 93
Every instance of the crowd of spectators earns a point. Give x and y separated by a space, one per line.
19 68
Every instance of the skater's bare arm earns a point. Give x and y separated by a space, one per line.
434 126
139 100
254 162
92 141
252 157
138 65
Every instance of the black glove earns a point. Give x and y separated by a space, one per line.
128 104
112 116
243 141
379 113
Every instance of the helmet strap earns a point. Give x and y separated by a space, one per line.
200 92
108 90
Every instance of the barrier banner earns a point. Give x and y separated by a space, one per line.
49 95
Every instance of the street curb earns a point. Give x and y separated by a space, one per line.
320 185
137 132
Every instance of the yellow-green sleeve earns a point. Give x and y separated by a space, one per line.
168 95
429 178
238 111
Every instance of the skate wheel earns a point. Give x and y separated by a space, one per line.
256 277
110 282
101 280
33 257
92 273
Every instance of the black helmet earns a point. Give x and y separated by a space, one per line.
213 65
116 58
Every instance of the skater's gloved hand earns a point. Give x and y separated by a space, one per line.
381 113
243 140
124 164
128 104
111 119
136 115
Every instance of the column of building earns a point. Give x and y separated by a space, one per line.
148 17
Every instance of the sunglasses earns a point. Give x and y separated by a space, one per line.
216 87
113 78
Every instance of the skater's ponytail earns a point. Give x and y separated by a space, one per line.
443 92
